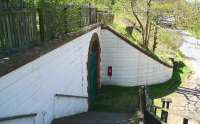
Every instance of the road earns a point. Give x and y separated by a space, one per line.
186 100
191 49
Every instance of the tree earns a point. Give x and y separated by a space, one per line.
145 21
155 37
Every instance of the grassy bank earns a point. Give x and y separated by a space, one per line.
169 41
195 31
181 73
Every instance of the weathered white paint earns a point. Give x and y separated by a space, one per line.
130 66
32 88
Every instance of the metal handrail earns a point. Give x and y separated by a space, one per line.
71 96
17 117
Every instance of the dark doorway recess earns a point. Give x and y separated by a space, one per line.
93 67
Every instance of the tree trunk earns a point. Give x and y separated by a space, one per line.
155 38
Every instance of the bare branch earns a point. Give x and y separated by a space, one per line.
136 16
149 3
148 28
149 32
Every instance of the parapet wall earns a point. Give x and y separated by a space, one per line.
32 88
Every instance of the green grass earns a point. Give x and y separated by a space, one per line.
116 99
181 72
195 31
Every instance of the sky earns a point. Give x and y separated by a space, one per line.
192 0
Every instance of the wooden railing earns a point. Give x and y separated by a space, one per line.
149 116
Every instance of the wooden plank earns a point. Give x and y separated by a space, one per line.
18 29
1 33
34 24
8 42
25 30
12 42
4 31
15 29
8 11
41 24
17 21
1 4
29 28
21 30
12 16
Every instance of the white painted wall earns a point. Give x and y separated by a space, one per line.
130 66
32 87
69 106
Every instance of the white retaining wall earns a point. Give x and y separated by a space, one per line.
130 66
32 87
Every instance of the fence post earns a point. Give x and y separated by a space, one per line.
35 35
41 24
81 9
96 15
67 9
90 14
142 103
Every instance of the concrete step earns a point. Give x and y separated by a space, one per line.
97 118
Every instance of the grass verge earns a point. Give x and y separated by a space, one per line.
195 31
116 99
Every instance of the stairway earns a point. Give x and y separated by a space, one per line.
97 118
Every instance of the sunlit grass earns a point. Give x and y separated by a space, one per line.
195 31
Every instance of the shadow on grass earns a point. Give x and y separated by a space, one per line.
161 90
116 99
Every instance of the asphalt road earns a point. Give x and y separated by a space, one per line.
191 49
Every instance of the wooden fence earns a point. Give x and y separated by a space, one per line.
150 111
145 107
17 26
13 4
22 25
